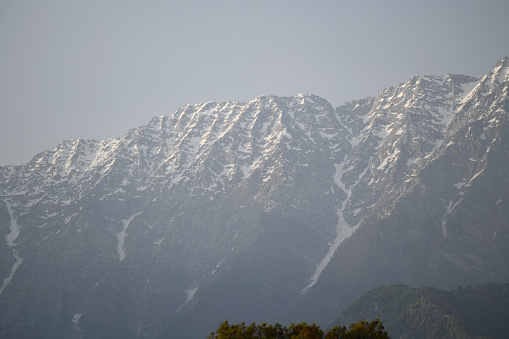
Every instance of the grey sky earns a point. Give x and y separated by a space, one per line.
94 69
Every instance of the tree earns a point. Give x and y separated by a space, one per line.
360 330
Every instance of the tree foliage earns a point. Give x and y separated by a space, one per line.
360 330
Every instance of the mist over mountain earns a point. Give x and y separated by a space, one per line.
280 209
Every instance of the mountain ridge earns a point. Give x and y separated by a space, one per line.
417 218
175 210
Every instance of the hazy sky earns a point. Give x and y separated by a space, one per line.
94 69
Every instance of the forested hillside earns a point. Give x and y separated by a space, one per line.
469 312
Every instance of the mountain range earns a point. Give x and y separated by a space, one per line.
282 209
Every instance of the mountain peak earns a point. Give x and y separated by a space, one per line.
501 68
504 62
280 202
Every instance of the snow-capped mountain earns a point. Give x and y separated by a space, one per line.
441 180
268 210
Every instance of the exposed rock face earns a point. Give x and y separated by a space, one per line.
267 210
443 220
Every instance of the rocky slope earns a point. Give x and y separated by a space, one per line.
444 221
274 210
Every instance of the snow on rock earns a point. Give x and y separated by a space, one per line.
123 234
14 268
13 227
76 317
208 172
448 210
10 240
190 292
343 229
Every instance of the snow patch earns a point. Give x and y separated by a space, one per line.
13 227
76 317
468 90
476 175
122 235
13 270
343 229
10 239
354 141
448 211
389 159
190 292
446 115
411 161
459 185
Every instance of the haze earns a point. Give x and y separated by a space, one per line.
94 69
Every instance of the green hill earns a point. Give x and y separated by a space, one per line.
470 312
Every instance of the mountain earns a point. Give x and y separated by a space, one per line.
425 312
444 221
280 209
